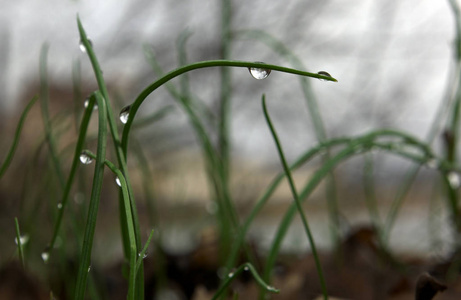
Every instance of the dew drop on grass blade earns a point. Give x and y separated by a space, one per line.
259 73
85 158
82 46
124 114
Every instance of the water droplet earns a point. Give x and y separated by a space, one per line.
271 289
59 205
230 274
323 73
89 269
124 113
144 256
82 46
87 102
22 239
259 73
246 269
85 158
45 256
117 181
454 180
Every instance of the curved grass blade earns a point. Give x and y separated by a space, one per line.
221 189
296 199
10 155
245 267
85 257
200 65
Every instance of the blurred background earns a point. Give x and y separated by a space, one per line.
393 61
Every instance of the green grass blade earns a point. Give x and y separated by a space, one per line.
121 158
19 242
130 231
75 163
85 257
232 276
134 265
296 199
10 155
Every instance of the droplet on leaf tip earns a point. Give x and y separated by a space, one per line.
323 73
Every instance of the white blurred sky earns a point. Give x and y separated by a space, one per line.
392 58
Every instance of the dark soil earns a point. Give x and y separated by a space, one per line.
358 270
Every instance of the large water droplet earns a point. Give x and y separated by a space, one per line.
323 73
85 158
117 181
271 289
246 269
230 274
144 255
124 114
454 180
22 239
82 46
59 205
89 269
45 256
259 73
